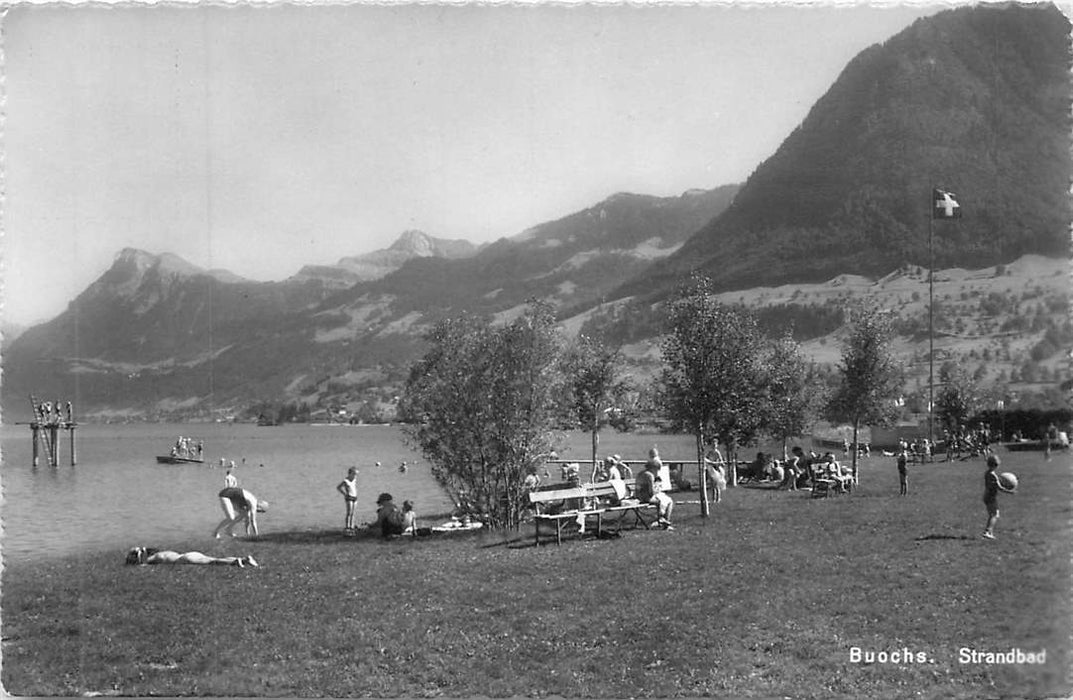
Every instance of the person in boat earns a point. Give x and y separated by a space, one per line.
149 555
239 505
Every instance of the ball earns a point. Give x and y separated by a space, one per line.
1008 479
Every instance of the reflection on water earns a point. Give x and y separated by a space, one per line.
118 495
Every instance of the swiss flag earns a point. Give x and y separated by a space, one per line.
944 205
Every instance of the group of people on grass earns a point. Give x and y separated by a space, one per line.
798 470
241 506
391 520
992 486
963 443
648 486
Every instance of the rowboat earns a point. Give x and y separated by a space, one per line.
186 451
168 459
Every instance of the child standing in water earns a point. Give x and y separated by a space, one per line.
349 488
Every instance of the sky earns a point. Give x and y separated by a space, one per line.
261 138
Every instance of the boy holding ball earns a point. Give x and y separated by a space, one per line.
992 485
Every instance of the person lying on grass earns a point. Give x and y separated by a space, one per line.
149 555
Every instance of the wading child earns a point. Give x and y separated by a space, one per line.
349 488
992 485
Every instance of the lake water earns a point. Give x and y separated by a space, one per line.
118 496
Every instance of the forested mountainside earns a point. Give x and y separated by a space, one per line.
974 100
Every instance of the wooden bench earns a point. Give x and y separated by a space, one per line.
574 499
824 485
582 502
605 491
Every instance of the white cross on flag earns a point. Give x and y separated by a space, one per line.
944 206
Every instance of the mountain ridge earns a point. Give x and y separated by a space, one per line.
841 199
155 326
412 243
975 100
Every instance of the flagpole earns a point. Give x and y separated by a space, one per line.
931 318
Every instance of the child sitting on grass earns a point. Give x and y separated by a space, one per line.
409 518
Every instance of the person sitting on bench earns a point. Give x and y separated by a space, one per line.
649 489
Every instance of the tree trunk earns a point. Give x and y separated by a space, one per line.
702 474
856 427
732 464
595 447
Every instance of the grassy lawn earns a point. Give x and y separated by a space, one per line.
766 598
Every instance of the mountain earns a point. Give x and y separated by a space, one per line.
154 329
380 263
158 337
10 331
975 100
572 262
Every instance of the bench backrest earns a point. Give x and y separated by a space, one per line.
605 489
600 489
560 494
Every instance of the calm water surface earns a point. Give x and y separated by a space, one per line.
118 496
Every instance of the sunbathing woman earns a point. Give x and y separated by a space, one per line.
148 555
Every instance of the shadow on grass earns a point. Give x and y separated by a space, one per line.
306 537
516 543
944 537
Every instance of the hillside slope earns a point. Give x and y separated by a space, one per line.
975 100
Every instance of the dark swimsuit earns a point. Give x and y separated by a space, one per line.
236 496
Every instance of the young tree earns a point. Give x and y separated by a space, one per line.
712 379
958 399
597 386
794 393
480 403
870 377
